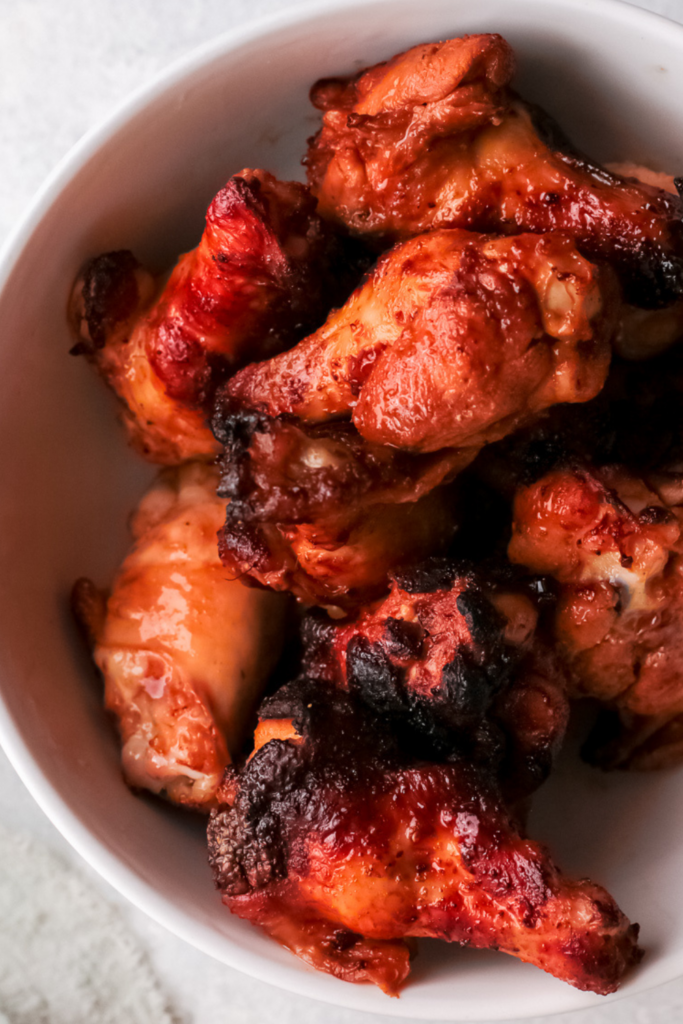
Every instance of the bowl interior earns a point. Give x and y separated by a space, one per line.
612 75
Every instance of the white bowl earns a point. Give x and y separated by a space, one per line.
613 76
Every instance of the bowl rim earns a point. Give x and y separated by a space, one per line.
125 880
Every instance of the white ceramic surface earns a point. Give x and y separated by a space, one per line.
613 76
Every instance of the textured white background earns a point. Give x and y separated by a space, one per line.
64 64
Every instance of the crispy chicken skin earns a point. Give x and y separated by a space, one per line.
264 273
451 656
435 138
453 341
184 652
335 830
614 543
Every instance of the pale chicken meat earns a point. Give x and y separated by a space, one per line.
185 652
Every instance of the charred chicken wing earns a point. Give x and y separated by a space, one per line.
435 137
264 273
342 846
320 512
451 659
184 652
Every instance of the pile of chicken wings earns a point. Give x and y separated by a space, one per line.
422 429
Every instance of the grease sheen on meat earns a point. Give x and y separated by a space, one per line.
613 541
341 845
453 341
184 652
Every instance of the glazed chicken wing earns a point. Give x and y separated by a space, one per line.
343 846
185 653
614 543
435 137
264 273
453 341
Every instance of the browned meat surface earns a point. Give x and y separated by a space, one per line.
613 541
264 273
342 846
435 137
453 341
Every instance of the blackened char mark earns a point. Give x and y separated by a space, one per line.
651 277
317 636
429 576
403 640
449 722
246 848
234 427
470 688
110 296
483 621
372 677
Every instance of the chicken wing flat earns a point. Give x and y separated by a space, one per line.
614 544
436 138
453 341
343 846
185 654
264 274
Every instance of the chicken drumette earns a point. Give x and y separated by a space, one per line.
264 273
435 137
452 658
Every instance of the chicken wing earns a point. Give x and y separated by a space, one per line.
264 273
342 560
185 654
614 543
453 341
321 512
341 845
451 659
436 138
